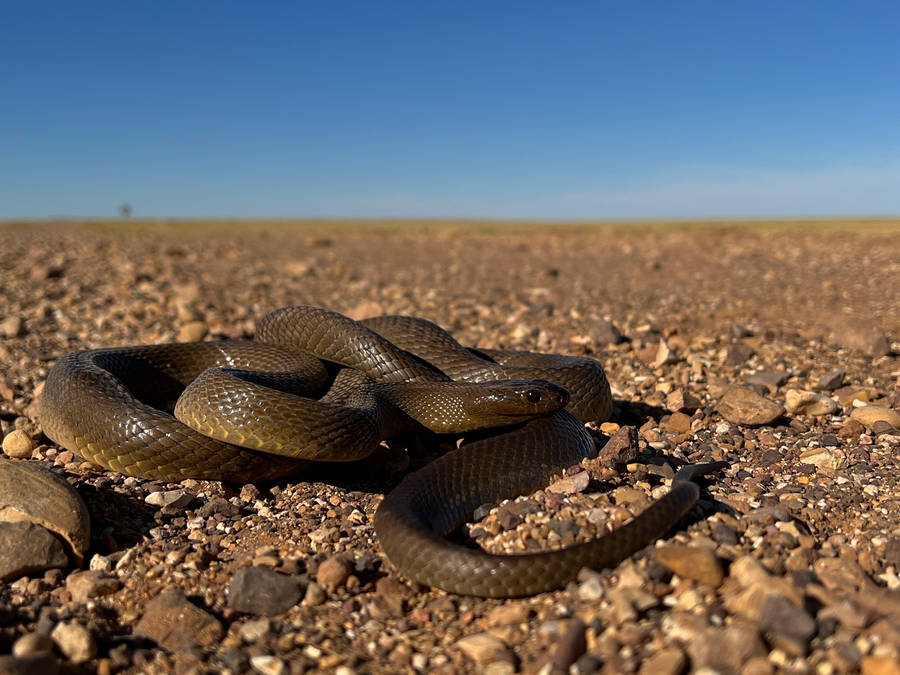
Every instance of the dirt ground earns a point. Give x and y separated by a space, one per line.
788 564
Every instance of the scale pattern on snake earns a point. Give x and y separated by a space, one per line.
318 386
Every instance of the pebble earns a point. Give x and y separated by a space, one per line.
484 648
786 626
577 482
32 643
75 641
828 458
26 548
667 661
192 331
261 590
268 665
621 448
831 380
744 406
606 333
174 499
176 623
725 650
677 422
508 614
31 492
879 665
691 562
333 572
683 401
18 444
11 327
570 646
801 402
870 414
90 584
315 595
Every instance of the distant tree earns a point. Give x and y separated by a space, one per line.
125 210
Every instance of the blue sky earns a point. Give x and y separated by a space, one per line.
573 110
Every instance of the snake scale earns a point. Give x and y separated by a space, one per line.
318 386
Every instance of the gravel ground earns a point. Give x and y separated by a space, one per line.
771 351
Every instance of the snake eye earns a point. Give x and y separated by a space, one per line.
533 395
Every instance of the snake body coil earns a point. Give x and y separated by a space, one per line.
318 386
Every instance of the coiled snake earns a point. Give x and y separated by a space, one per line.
318 386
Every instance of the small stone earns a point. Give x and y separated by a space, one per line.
265 664
90 584
509 614
75 641
11 327
26 548
827 458
175 623
801 402
831 380
606 333
261 590
18 444
744 406
739 353
850 394
786 626
249 493
668 661
484 648
677 422
32 643
851 429
725 650
508 518
621 448
570 646
570 484
879 665
394 594
174 499
691 562
334 572
664 355
192 331
870 414
683 401
771 380
255 629
840 574
315 595
31 492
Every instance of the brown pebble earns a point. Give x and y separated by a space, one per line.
744 406
692 562
668 661
334 572
192 331
18 444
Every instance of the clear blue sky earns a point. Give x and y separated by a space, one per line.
516 109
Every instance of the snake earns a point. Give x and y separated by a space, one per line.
317 386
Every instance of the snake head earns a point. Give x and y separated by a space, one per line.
510 401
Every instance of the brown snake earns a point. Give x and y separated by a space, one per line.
318 386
